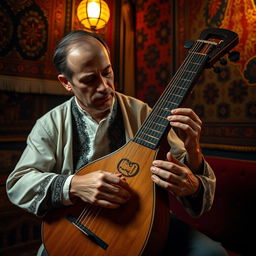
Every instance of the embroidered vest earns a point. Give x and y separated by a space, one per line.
115 133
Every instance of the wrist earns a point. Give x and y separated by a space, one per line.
194 160
72 190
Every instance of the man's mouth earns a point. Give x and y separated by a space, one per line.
104 98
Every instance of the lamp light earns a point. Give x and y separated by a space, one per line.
93 14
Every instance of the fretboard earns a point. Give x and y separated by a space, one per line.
155 125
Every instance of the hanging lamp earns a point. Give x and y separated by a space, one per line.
93 14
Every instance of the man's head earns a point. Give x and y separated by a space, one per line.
83 62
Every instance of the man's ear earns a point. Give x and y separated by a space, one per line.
64 81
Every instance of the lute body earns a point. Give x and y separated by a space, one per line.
126 230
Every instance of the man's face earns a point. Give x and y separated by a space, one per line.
93 79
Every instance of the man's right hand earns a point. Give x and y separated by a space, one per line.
100 188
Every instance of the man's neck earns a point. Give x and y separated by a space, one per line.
95 115
99 116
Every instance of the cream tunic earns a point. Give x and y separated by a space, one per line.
49 153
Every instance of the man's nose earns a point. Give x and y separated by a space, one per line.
103 85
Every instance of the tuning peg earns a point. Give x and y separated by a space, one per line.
216 70
223 61
234 56
188 44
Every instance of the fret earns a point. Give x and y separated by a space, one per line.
145 142
186 80
156 123
165 109
162 117
190 71
153 130
177 95
182 88
169 102
155 133
148 140
162 125
150 135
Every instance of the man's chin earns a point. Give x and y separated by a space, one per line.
108 101
104 105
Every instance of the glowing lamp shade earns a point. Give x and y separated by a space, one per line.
93 14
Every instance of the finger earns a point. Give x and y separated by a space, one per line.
117 179
106 204
185 115
184 122
171 164
113 197
170 158
187 112
170 187
117 191
173 176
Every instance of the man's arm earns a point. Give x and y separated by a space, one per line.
185 173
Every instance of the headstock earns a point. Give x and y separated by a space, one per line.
215 43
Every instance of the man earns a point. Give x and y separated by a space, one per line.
95 122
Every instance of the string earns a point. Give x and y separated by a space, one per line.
91 213
174 90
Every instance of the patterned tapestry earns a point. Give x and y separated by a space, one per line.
154 28
225 101
30 31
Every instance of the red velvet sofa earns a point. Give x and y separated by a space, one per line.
232 219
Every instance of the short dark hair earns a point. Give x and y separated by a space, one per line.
61 50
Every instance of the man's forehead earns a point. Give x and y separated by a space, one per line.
86 53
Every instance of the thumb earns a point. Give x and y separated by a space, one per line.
170 158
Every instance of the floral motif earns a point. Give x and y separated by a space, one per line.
251 109
238 91
224 74
163 32
152 15
151 56
32 32
141 76
223 110
211 93
141 38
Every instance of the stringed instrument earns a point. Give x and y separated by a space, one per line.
139 227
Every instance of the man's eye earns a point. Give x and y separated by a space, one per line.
89 80
108 74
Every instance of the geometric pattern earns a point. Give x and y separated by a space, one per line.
29 32
225 101
153 48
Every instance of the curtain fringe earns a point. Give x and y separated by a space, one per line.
31 85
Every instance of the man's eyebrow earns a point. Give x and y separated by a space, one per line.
92 74
106 68
86 76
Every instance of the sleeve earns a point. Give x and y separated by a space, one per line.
202 201
34 184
